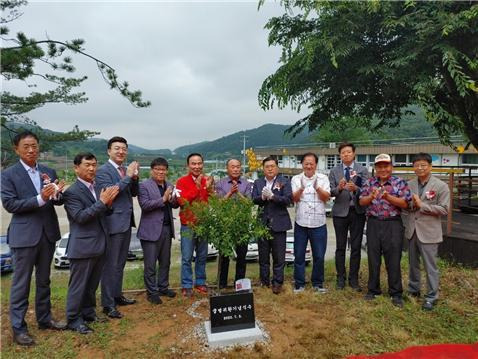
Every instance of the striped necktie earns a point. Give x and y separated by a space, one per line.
122 171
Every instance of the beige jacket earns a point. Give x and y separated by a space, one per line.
426 221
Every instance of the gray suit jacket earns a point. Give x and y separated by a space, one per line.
122 217
152 211
342 198
426 221
274 213
88 228
29 220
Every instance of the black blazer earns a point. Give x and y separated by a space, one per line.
274 212
87 217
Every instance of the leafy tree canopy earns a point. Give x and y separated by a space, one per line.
226 223
368 61
20 57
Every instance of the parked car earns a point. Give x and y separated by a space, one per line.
364 238
5 255
328 206
60 259
252 251
212 252
289 250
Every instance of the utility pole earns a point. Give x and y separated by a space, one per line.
244 151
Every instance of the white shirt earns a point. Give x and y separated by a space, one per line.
89 185
270 183
310 210
117 166
351 167
34 174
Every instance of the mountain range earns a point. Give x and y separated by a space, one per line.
265 135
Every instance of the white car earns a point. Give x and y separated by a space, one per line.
252 251
328 206
212 252
60 260
289 250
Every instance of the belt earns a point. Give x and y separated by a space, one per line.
396 218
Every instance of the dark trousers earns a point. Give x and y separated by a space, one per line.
241 251
115 259
157 253
85 275
354 223
277 246
24 259
385 237
318 243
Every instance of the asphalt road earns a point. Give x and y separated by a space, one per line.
64 226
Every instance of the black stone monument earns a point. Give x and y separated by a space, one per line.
233 311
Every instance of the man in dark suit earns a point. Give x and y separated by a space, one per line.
28 192
86 207
273 194
345 182
119 223
156 230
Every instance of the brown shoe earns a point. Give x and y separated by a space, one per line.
23 339
276 289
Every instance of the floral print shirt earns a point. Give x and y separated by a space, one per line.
379 207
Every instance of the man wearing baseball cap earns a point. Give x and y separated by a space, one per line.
385 196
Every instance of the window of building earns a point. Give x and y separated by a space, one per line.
332 161
469 159
400 159
362 159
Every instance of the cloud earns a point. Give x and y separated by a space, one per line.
200 63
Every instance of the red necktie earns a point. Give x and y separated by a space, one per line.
122 171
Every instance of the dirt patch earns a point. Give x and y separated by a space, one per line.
305 325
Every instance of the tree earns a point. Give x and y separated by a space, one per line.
226 223
20 62
371 60
343 130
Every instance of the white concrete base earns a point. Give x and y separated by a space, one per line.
234 337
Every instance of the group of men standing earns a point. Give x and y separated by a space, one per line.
100 211
393 209
99 207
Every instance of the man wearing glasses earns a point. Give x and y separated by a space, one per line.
430 199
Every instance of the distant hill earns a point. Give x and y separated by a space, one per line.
266 135
98 147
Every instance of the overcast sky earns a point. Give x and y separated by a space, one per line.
201 64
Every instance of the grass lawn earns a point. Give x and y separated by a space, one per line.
307 325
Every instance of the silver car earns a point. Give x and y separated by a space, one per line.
59 259
289 250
